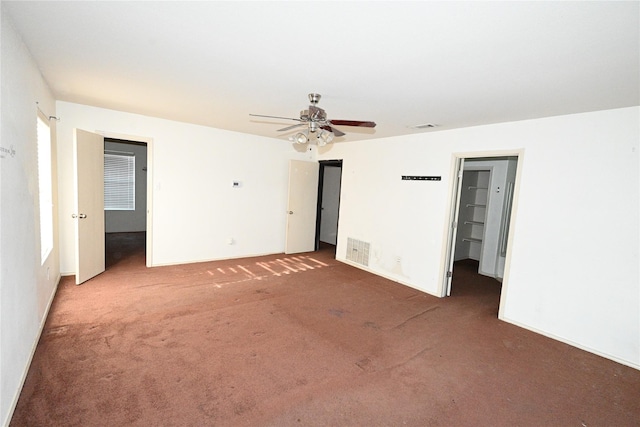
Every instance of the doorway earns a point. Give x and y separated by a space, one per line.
328 207
125 202
481 215
89 211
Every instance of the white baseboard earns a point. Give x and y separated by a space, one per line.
196 261
14 402
574 344
386 276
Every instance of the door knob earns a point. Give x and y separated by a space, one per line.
290 212
81 216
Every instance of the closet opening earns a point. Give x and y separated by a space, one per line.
481 216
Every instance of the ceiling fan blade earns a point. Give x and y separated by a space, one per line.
291 127
353 123
275 117
335 131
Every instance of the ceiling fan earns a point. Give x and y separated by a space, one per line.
315 119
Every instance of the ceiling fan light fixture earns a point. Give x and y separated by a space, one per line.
325 137
300 138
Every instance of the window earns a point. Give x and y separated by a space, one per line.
119 181
45 187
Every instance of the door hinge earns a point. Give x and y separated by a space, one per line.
454 224
449 274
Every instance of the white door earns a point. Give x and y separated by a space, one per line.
88 164
302 207
453 230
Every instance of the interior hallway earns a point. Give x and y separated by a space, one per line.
303 340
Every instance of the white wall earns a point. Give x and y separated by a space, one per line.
574 242
26 289
194 208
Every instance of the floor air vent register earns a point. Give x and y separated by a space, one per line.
358 251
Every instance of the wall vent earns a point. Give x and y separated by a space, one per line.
358 251
423 126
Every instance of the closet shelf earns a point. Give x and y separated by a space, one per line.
474 222
475 205
471 187
471 239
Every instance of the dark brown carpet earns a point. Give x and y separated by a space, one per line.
307 341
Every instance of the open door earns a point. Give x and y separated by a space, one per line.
453 225
88 164
302 206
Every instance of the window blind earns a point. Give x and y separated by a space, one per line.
119 182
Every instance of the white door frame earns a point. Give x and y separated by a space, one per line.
149 225
449 246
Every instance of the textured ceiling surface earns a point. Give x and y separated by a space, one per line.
400 64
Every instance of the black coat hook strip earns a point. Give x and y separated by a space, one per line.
421 178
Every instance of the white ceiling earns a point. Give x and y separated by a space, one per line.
397 63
